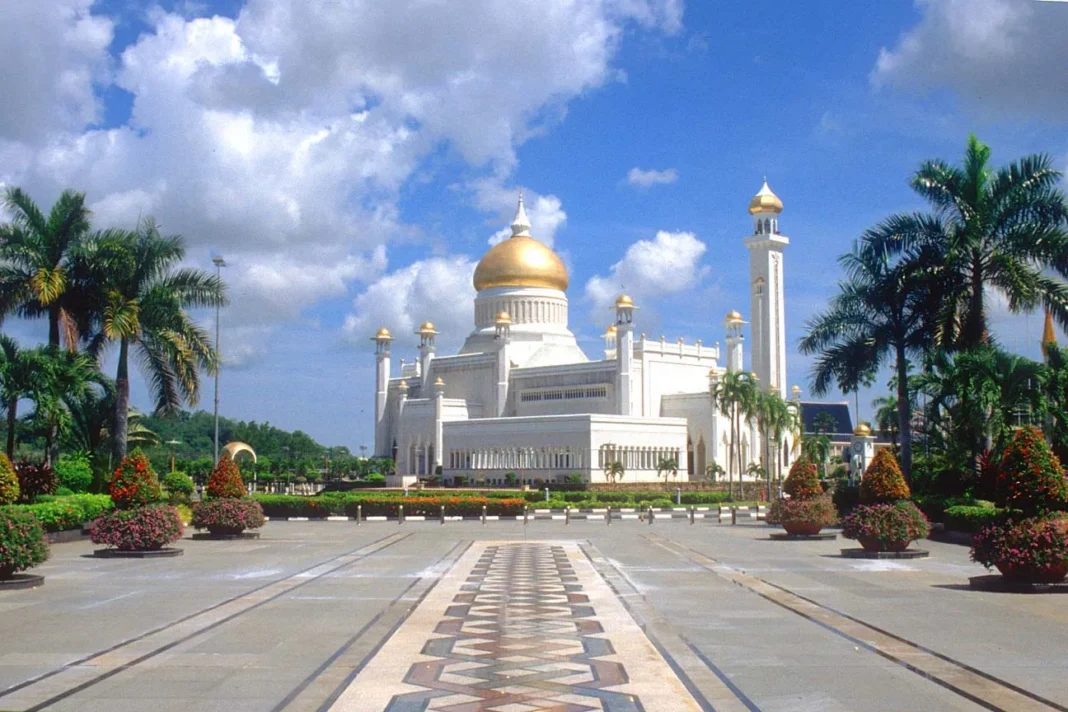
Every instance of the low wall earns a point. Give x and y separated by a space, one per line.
658 487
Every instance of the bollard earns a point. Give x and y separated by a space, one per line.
734 516
359 514
400 514
678 496
608 516
651 515
443 514
483 515
691 516
546 494
567 515
524 515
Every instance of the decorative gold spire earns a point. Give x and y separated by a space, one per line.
520 261
765 201
1049 334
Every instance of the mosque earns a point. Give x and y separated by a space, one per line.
521 396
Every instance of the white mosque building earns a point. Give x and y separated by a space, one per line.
521 396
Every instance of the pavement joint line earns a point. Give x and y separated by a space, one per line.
85 664
727 695
982 688
405 598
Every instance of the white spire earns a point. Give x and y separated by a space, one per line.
520 224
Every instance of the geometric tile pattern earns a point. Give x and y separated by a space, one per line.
516 631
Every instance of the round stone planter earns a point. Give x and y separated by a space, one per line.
866 554
873 544
163 553
1034 574
796 528
996 583
15 582
787 536
221 536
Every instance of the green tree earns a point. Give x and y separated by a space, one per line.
878 314
58 376
992 231
142 298
776 418
614 471
886 417
16 382
735 394
667 466
37 252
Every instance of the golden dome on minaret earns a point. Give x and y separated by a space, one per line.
520 261
765 201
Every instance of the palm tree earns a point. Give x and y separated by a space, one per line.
17 369
775 418
735 394
37 275
58 376
713 471
993 230
878 313
141 303
614 471
886 417
666 466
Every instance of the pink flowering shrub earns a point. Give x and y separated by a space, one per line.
1033 549
803 516
228 515
886 527
141 529
22 542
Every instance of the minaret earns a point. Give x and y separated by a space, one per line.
624 352
382 340
439 396
767 305
426 334
503 325
735 339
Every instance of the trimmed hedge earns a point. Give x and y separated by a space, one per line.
70 512
971 519
883 482
377 505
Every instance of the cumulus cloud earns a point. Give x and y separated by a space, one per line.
282 138
1002 55
646 178
437 290
546 212
669 263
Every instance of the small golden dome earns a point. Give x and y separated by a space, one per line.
611 330
624 300
382 335
403 387
438 381
796 390
504 318
765 202
520 261
734 317
426 328
862 429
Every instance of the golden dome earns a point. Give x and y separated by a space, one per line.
426 328
439 381
611 330
383 333
862 429
765 202
520 261
403 387
734 317
504 318
624 300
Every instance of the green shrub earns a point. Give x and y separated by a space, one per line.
63 492
179 487
963 518
35 479
75 472
375 479
1030 478
60 513
9 482
705 497
883 481
22 542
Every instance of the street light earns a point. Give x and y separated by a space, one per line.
219 264
174 444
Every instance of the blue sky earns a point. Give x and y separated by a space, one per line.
352 159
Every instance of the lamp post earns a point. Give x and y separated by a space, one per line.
174 444
219 264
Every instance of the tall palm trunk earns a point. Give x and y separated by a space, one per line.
122 403
904 414
53 325
12 419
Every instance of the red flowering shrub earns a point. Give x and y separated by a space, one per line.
1030 477
1033 550
228 515
225 479
885 526
134 483
803 482
22 542
9 482
141 529
35 479
883 481
803 516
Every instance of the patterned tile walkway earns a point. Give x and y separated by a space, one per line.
518 627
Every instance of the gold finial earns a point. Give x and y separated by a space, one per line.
439 381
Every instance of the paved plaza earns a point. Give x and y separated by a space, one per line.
516 618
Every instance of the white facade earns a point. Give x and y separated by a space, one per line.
521 396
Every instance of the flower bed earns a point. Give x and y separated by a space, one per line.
281 506
803 517
886 527
142 529
1032 550
228 516
22 542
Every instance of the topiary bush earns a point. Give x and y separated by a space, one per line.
178 486
35 480
22 542
225 480
883 481
145 528
1030 478
803 516
228 515
886 526
803 482
134 483
9 482
75 472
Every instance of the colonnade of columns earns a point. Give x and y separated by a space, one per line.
637 458
517 458
523 311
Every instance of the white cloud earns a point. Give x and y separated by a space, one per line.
437 290
646 178
52 54
546 212
1003 55
669 263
